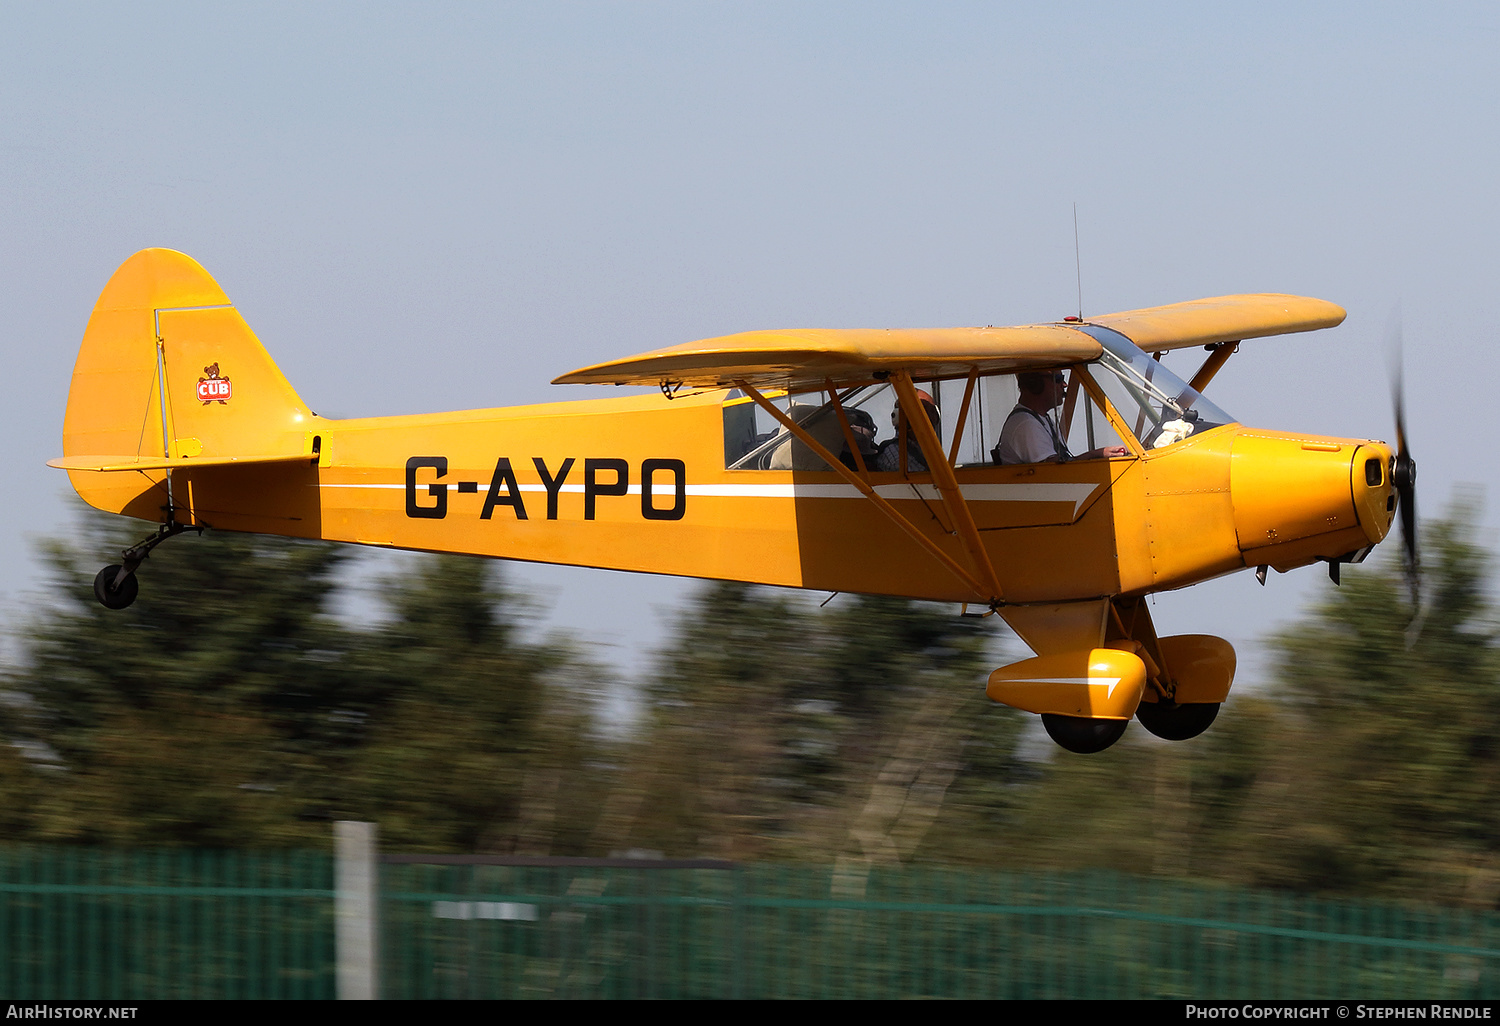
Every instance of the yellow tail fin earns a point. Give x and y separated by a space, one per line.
169 373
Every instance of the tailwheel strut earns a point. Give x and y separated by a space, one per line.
115 586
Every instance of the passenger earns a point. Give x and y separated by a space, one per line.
821 424
1030 434
862 425
888 457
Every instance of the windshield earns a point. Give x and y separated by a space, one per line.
1157 405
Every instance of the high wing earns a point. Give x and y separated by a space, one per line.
1203 322
808 358
805 358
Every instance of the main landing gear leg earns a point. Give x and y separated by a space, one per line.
115 586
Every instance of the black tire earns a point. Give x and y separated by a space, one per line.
1081 734
1173 722
110 596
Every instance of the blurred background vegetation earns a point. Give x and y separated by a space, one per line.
230 708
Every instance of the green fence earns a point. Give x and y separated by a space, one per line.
92 923
97 923
609 930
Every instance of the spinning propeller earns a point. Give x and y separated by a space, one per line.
1404 477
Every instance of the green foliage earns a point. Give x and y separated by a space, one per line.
190 717
1387 777
1369 768
780 730
466 711
716 766
226 707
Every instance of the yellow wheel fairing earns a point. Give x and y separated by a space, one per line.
1201 665
1100 684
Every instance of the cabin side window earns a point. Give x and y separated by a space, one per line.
1024 403
754 440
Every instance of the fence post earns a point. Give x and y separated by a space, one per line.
356 906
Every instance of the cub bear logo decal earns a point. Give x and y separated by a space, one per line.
213 389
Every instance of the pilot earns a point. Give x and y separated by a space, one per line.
1030 434
889 455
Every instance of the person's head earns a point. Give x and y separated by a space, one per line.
863 426
1042 389
928 406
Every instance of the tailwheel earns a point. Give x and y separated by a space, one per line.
1173 722
115 588
1081 734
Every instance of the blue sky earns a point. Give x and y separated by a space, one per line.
425 207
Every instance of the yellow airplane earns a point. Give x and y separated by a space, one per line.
761 461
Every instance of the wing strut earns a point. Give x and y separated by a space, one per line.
849 439
963 414
1218 353
866 489
947 483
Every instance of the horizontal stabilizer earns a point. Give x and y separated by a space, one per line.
109 464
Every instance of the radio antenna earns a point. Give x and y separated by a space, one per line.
1077 260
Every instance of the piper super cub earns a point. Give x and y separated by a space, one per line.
762 460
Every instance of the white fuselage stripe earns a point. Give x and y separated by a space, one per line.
1075 494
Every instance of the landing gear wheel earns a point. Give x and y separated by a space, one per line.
113 596
1081 734
1173 722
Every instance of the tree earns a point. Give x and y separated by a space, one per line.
1387 780
475 744
713 772
227 707
1369 767
779 730
197 715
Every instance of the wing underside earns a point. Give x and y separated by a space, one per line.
808 358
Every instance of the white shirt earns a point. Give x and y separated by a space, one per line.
1028 437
